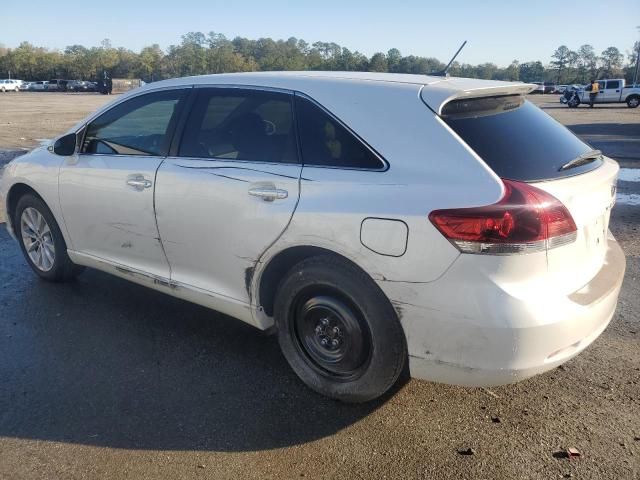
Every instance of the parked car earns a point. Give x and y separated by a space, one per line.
81 86
24 86
612 91
561 88
10 85
39 86
370 219
57 85
549 87
539 87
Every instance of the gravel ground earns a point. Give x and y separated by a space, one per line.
104 379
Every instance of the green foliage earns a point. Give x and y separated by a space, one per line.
612 62
200 53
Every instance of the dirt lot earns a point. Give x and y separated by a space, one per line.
104 379
28 117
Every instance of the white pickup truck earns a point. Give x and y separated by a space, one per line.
612 90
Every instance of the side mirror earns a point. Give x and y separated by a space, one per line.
65 146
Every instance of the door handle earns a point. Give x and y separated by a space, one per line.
268 193
138 182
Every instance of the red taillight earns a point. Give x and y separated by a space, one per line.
526 219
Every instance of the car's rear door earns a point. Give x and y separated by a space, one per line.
612 91
229 189
107 190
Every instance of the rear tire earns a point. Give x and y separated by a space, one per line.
338 331
41 241
633 101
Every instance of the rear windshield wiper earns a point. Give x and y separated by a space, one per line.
581 160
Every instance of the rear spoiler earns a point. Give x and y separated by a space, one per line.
438 94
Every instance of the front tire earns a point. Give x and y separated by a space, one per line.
338 331
41 241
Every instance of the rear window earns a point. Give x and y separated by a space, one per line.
516 139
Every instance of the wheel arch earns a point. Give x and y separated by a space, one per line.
17 191
279 265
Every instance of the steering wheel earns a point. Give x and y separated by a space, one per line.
269 127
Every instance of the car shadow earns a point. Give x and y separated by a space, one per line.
104 362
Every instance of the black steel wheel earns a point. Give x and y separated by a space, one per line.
331 335
338 331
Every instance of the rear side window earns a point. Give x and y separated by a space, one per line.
238 124
613 84
325 142
516 139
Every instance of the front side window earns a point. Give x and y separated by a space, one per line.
140 126
240 124
325 142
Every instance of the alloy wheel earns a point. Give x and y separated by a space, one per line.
37 239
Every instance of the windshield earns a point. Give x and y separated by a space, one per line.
517 139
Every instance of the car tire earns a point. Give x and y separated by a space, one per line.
338 331
633 101
41 241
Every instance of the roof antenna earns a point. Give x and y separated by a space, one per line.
444 71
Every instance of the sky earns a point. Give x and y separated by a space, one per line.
497 31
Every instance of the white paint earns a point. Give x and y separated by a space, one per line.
469 319
629 175
384 236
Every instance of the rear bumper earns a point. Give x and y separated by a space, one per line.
508 339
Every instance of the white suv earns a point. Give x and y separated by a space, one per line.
376 221
10 85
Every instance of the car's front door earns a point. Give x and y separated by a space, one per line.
107 189
601 89
229 188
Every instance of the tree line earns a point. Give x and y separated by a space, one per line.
200 53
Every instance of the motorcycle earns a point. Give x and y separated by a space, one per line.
570 98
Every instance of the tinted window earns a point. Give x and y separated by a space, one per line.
324 141
236 124
139 126
516 139
613 84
